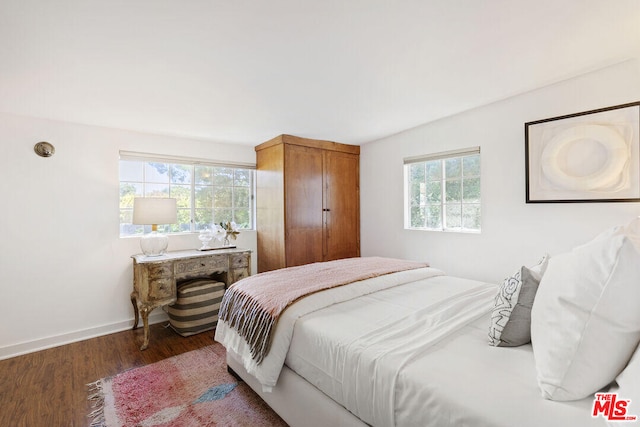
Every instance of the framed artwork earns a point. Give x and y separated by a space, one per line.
593 156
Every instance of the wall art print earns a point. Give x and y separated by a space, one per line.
593 156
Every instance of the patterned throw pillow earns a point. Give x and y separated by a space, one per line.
511 315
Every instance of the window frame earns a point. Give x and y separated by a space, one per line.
192 163
443 179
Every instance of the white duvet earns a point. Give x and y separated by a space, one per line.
454 379
268 371
409 349
371 364
373 361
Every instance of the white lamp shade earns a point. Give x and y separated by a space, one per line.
154 210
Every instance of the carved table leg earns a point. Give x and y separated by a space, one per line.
135 311
145 323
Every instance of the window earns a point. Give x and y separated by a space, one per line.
442 191
207 193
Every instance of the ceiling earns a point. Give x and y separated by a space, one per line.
244 71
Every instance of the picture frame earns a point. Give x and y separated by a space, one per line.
592 156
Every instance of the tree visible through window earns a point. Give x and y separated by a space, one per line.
443 191
205 194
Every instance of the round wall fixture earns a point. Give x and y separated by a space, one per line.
44 149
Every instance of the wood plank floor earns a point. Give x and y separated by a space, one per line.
48 388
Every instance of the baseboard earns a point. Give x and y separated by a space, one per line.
58 340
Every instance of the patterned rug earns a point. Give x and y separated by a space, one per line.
193 389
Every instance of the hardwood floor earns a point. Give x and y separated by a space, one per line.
48 388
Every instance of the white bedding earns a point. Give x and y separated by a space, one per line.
268 371
455 379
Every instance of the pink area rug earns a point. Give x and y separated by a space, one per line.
193 389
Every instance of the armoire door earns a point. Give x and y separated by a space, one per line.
341 205
303 205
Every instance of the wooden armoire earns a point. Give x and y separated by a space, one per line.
308 201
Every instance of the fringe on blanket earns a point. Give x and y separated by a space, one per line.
96 397
250 319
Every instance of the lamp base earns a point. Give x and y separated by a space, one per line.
154 244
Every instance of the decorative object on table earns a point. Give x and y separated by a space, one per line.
205 237
182 390
230 231
153 211
218 232
593 156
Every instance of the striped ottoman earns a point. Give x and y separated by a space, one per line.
196 307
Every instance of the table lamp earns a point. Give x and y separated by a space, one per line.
153 211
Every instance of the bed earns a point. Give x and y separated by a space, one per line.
411 348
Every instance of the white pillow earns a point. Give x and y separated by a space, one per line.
585 321
541 267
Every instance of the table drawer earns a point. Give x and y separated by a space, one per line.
197 266
160 282
158 272
239 273
160 289
239 261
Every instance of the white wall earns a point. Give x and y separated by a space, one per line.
65 274
513 233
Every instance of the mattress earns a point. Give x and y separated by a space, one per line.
456 380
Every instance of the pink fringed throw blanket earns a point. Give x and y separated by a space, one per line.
253 305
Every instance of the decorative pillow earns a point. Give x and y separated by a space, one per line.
585 322
510 306
511 316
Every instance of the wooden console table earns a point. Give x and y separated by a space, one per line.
155 279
